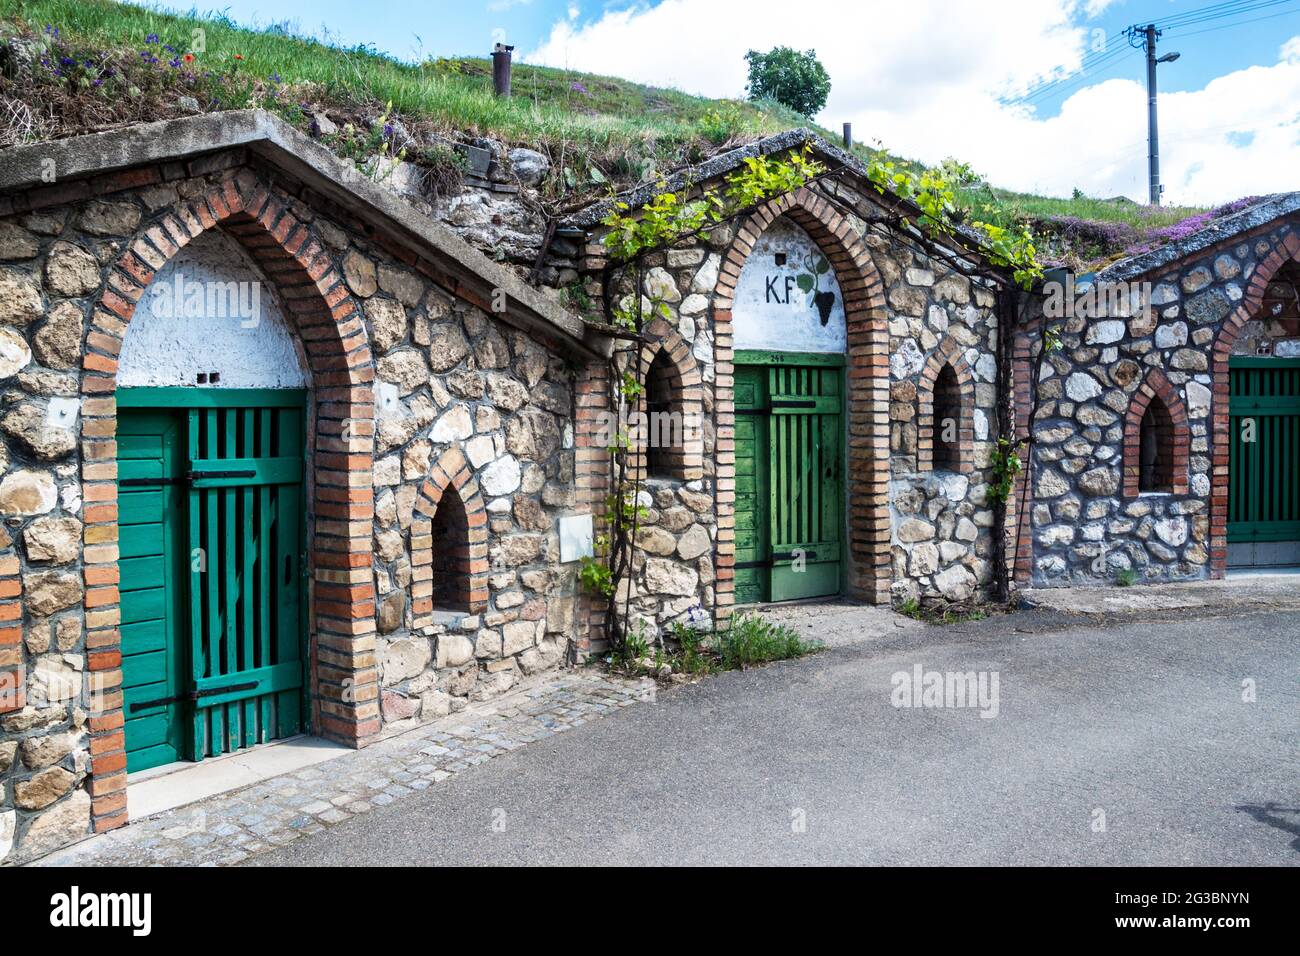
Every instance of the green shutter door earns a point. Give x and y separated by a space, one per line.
789 475
1264 461
245 510
752 575
152 563
236 596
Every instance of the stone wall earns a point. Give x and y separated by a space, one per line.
941 518
905 309
1087 523
386 329
673 571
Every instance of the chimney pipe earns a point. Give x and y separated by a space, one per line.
848 135
501 69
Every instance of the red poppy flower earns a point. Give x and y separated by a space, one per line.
188 58
239 56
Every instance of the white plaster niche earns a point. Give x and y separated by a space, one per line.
787 299
210 310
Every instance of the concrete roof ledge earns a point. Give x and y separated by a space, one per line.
284 146
962 242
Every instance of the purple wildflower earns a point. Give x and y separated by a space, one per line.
578 88
151 38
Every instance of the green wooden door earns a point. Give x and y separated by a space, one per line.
1264 460
789 475
235 599
152 559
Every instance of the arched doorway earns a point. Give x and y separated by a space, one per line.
1263 526
212 390
790 337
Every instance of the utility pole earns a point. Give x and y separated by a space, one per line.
1148 36
1153 129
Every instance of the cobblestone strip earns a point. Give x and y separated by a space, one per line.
228 828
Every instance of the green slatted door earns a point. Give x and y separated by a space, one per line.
1264 461
752 497
789 475
235 597
150 448
246 517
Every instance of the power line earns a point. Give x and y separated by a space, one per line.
1088 63
1079 80
1217 11
1240 23
1207 14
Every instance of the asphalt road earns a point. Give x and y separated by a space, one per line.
1122 744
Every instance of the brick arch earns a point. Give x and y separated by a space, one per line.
1287 250
340 498
867 380
451 470
1156 386
948 354
687 395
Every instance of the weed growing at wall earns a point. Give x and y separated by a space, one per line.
747 641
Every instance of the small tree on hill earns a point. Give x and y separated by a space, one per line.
794 79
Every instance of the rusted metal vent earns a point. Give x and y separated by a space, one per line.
501 69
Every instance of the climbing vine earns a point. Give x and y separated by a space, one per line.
1004 466
672 216
933 190
669 217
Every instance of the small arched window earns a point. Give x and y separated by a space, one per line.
1155 449
664 439
451 554
947 421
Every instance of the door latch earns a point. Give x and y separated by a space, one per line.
193 695
186 479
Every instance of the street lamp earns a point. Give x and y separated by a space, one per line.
1146 38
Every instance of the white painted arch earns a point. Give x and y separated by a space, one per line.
772 311
210 309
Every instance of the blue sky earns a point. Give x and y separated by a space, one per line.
408 28
1208 49
928 78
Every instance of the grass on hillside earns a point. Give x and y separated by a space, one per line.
549 106
600 132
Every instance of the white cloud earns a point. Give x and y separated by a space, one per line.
929 85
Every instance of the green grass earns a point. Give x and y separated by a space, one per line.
751 639
599 131
939 613
456 93
1119 210
748 640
